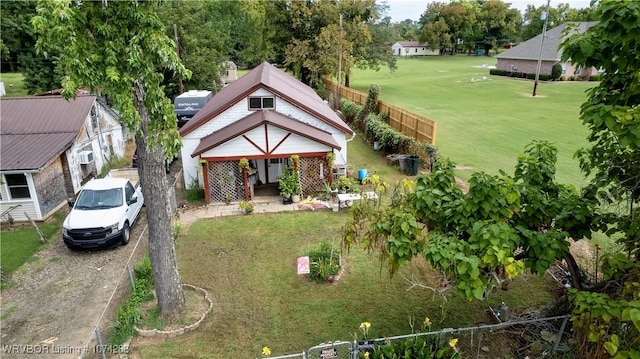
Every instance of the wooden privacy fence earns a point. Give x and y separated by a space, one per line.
421 128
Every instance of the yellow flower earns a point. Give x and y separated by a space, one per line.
453 342
365 325
266 351
366 355
427 322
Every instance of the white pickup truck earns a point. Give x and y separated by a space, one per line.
104 212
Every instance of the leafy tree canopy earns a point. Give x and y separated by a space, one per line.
608 316
121 48
484 237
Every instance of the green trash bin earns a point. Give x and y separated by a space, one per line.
413 164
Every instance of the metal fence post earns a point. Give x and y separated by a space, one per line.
103 352
133 284
555 345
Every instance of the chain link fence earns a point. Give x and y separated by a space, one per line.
518 338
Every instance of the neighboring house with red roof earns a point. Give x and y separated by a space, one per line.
265 116
49 147
412 48
524 57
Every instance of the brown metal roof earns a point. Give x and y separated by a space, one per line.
273 80
260 118
34 130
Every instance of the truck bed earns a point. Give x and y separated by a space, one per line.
129 173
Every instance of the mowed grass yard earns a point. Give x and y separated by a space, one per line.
248 266
485 124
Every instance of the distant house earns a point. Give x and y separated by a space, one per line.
49 147
412 48
266 116
524 57
229 73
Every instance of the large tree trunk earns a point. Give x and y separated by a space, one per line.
151 166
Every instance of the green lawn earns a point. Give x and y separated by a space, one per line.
484 124
247 263
19 245
13 84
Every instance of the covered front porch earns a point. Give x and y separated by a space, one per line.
226 181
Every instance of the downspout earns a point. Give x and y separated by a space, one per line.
352 137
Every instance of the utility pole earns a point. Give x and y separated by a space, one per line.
175 35
544 34
339 66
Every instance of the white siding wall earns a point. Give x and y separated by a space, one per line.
28 205
413 51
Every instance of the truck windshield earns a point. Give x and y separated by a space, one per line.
99 199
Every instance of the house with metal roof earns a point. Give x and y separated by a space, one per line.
412 48
49 147
524 57
266 116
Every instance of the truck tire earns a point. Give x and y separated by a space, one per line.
126 233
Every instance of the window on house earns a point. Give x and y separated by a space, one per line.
17 186
258 103
416 50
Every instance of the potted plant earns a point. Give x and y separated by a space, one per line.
345 183
243 164
246 207
289 185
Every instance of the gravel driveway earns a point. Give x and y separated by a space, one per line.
55 302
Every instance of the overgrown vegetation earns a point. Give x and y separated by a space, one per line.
194 193
113 163
129 313
607 312
472 237
324 260
375 128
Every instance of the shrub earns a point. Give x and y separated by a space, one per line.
595 78
324 262
497 72
194 193
391 141
556 71
544 77
129 312
350 110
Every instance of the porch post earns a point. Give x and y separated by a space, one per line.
205 177
246 184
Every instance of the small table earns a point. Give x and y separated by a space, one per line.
350 197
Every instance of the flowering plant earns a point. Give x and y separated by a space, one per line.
364 327
246 207
266 351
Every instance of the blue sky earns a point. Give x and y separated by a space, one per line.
400 10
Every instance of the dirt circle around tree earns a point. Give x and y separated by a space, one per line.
197 306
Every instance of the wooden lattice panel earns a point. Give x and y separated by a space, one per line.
310 181
225 180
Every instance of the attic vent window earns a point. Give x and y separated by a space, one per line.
260 103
